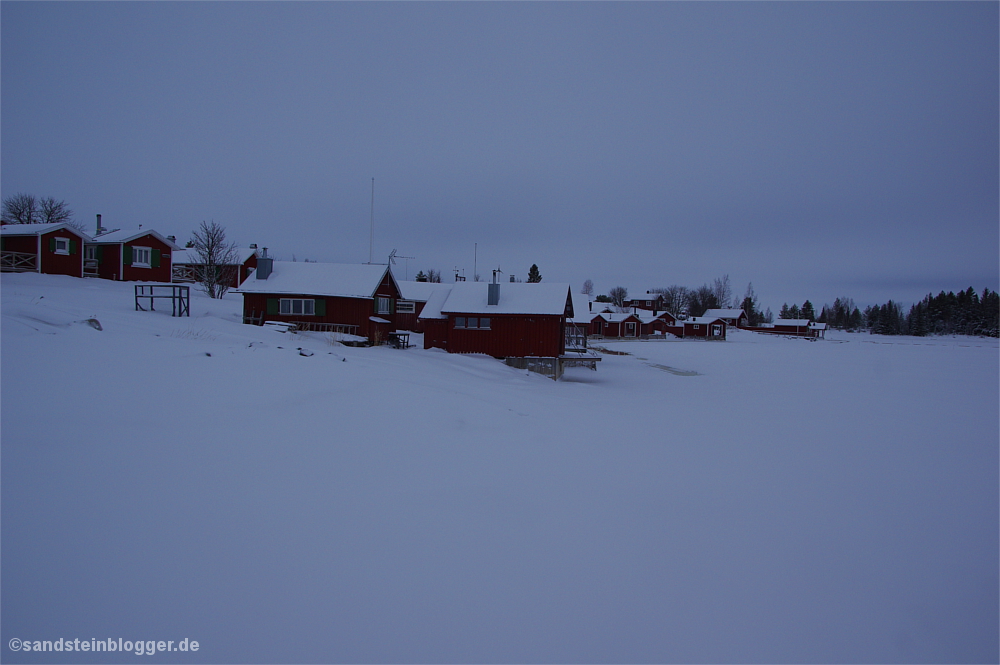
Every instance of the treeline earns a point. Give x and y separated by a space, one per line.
967 313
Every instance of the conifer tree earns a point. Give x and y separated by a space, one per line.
533 275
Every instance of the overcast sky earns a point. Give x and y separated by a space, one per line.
815 149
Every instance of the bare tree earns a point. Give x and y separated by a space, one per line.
618 296
20 209
675 299
434 276
723 291
218 260
588 288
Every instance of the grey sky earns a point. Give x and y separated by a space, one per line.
816 149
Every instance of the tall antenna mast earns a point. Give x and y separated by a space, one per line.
371 237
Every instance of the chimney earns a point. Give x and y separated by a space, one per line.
100 230
512 279
172 239
264 265
493 290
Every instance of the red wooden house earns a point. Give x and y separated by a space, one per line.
657 324
54 249
650 301
136 255
505 320
793 328
344 298
734 318
609 324
707 327
413 296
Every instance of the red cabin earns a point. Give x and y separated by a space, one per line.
507 320
130 256
344 298
53 249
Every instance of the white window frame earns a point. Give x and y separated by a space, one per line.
384 304
306 306
65 246
406 307
138 252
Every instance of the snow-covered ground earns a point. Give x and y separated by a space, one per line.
759 499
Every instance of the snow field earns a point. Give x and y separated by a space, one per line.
792 500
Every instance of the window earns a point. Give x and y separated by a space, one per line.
383 305
141 257
472 323
305 307
90 252
406 307
62 246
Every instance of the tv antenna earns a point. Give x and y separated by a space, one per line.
392 261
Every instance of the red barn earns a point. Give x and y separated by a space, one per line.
53 249
139 255
507 320
355 299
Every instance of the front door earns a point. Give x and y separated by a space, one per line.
630 329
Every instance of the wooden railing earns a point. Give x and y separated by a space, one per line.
314 326
18 262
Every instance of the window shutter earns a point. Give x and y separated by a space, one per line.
155 260
72 246
272 305
127 254
375 301
320 307
392 306
52 244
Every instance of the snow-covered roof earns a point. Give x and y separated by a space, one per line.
189 256
39 229
515 298
791 322
725 313
817 326
432 308
616 317
582 308
701 320
418 291
347 280
127 235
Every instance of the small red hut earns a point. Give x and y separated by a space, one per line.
131 255
53 249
